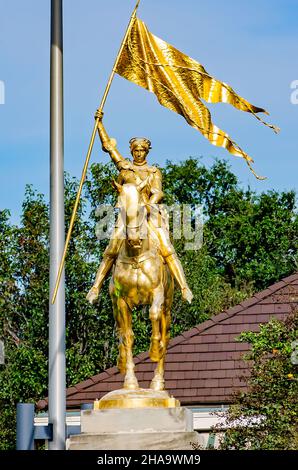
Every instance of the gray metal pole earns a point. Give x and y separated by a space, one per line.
25 426
57 384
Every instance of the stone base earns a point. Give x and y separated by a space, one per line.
135 441
146 420
136 429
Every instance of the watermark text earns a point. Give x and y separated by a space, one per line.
2 92
2 355
294 94
294 355
156 221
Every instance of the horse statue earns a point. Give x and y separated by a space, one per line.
140 277
143 261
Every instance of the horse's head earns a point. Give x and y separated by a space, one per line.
133 211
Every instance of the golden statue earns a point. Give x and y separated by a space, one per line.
145 261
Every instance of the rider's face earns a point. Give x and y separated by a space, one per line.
139 154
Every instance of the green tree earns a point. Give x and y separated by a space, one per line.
252 237
266 416
23 306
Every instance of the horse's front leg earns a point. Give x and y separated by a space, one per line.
124 323
155 313
158 382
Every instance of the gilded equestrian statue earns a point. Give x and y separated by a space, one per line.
145 262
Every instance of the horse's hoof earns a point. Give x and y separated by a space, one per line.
131 384
157 384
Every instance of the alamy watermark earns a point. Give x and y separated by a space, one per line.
2 92
2 355
294 94
186 223
294 355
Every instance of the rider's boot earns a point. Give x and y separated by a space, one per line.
103 270
178 273
109 257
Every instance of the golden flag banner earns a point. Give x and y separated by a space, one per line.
180 83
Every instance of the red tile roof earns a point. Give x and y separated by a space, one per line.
203 365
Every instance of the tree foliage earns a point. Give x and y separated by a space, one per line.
250 241
265 417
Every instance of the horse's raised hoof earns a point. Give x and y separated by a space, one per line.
157 383
155 350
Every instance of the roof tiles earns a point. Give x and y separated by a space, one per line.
203 365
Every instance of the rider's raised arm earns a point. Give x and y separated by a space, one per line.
156 187
109 145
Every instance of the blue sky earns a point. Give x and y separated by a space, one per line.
250 45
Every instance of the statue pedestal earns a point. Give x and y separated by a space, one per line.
140 398
152 426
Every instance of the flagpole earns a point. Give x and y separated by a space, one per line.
84 171
57 385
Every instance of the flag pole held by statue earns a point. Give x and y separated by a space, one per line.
85 168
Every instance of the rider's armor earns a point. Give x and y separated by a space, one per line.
152 194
